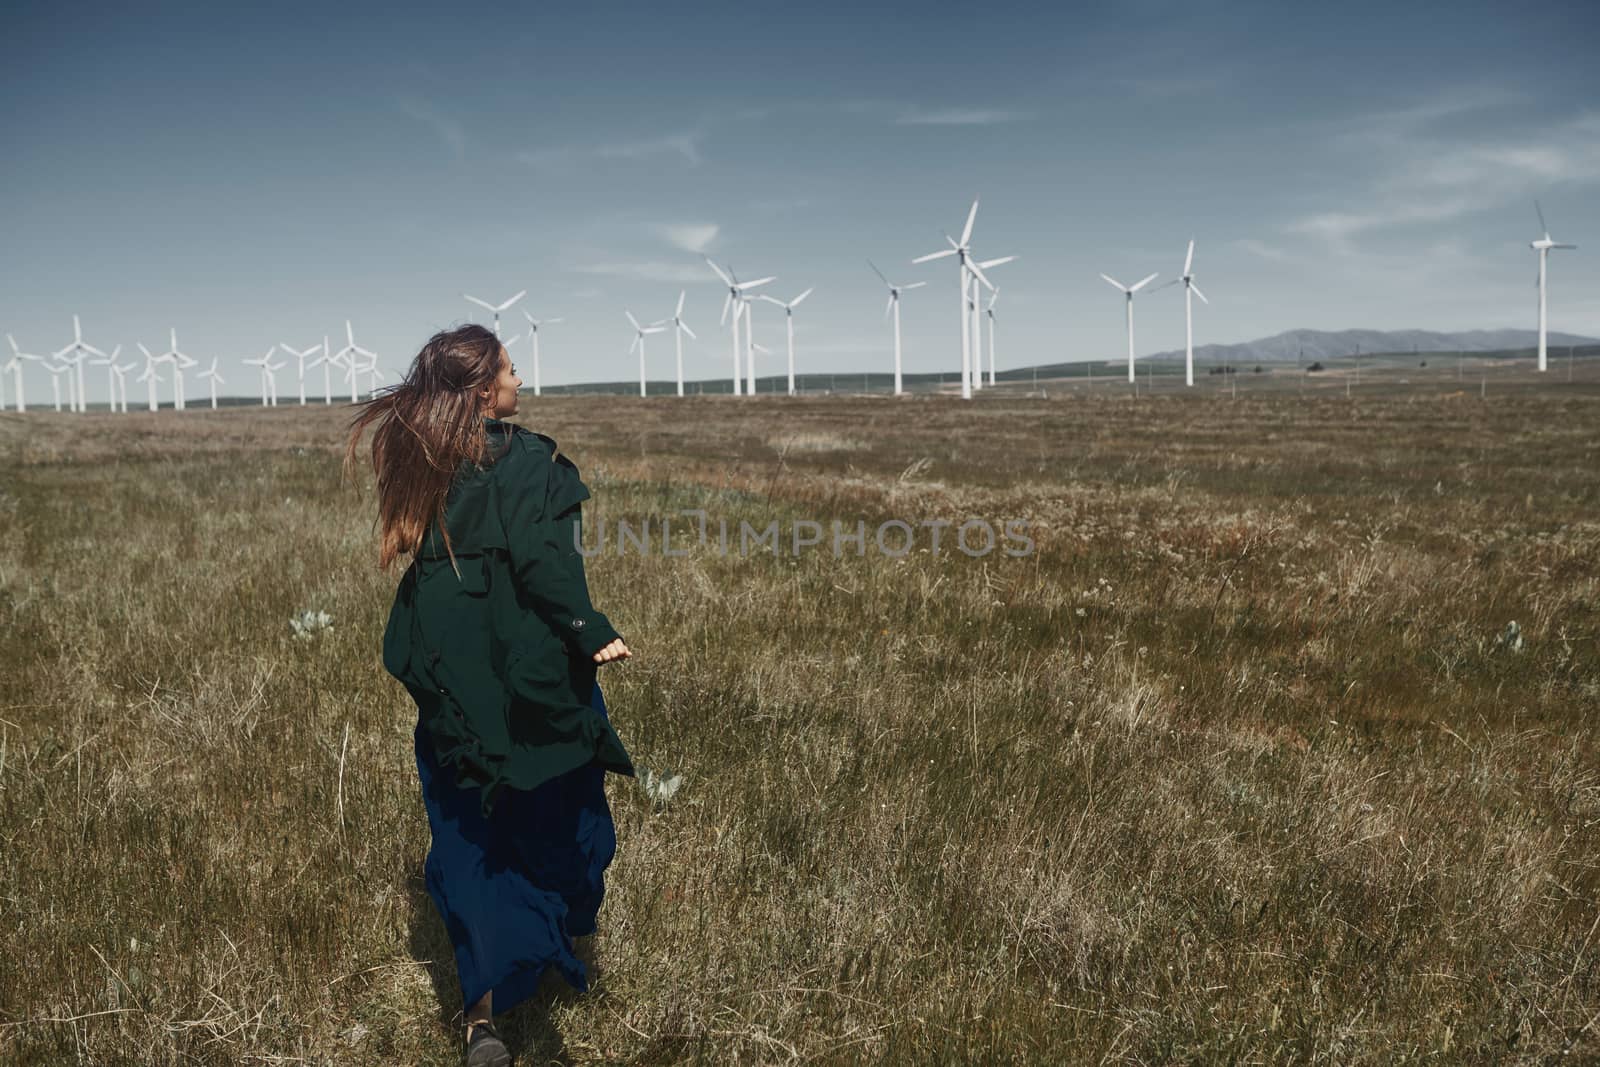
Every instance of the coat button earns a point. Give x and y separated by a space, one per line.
577 624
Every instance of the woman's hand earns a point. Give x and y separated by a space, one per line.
615 650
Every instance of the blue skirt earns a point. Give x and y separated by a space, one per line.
514 889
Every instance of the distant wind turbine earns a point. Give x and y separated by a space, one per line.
735 300
989 313
216 380
351 350
151 376
977 320
679 328
1188 312
180 363
80 351
110 364
639 333
1543 246
300 358
1130 292
121 371
962 250
533 332
496 308
269 385
15 367
894 306
788 315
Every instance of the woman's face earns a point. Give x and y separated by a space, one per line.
500 399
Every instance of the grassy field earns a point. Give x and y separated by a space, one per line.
1235 766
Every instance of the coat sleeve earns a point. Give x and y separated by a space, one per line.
540 507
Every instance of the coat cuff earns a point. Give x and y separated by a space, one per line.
595 633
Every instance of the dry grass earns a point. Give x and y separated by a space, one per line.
1230 769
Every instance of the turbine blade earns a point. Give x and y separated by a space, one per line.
1148 279
1114 282
935 255
986 264
889 306
913 285
966 232
758 281
796 301
726 280
632 319
1190 257
1542 226
684 326
878 272
725 302
1198 293
681 294
481 303
513 300
978 273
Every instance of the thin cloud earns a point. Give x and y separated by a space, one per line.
448 129
1264 250
693 237
961 117
1434 179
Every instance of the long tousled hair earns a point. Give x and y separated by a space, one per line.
428 425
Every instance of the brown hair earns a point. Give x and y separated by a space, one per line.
428 425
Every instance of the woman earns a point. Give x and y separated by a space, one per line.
493 635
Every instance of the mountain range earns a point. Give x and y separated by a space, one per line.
1322 344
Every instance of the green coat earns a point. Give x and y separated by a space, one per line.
500 656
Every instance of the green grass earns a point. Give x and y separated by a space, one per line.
1230 769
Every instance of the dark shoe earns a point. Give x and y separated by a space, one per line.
486 1049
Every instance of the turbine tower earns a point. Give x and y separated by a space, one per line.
1188 312
788 315
1130 293
496 308
1543 246
989 313
15 367
679 328
962 250
79 351
735 300
638 342
533 328
894 306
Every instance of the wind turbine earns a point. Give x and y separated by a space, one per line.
638 342
150 376
989 311
1543 246
351 350
121 371
788 315
180 363
79 350
216 380
15 367
735 300
1188 311
963 252
977 321
679 328
533 332
894 306
496 308
268 391
301 357
110 364
1130 293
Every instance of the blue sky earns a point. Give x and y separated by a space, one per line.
256 177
